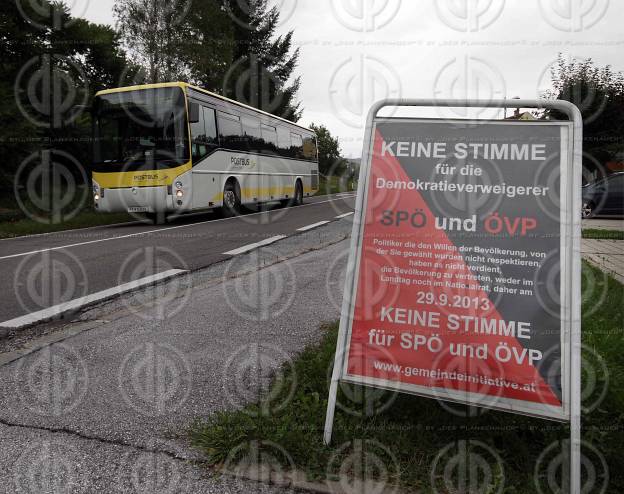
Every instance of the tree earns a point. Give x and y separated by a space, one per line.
208 51
85 58
151 31
263 65
330 159
599 94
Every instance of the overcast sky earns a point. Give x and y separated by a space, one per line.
354 52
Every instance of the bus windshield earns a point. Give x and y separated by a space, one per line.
140 130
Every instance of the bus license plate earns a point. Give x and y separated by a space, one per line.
138 210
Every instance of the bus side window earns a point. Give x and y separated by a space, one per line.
198 138
309 148
211 127
230 132
297 145
269 138
283 140
251 132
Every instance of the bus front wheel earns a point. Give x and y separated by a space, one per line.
231 200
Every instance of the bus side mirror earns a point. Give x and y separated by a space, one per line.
193 113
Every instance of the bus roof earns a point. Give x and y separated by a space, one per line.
185 85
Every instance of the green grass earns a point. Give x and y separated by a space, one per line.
603 234
86 218
334 185
415 429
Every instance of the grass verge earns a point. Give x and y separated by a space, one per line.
412 431
335 185
84 219
603 234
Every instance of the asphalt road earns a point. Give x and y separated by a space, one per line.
38 272
102 404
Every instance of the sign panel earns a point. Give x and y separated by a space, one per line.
461 268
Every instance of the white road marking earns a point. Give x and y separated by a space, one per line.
72 305
247 248
312 227
23 254
346 215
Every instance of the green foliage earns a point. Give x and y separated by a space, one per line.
228 47
262 65
414 429
154 33
603 234
87 57
599 94
330 159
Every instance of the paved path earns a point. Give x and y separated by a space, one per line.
106 407
608 255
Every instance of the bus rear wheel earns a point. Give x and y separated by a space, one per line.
231 200
298 199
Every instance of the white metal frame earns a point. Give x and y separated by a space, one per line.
570 266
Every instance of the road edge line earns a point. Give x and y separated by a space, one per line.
59 310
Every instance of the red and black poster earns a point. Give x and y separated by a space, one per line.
458 275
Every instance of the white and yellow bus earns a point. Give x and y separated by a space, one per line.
172 148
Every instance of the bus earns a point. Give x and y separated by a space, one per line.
160 150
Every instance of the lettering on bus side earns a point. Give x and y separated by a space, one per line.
242 162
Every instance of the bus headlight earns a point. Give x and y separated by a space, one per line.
179 185
180 193
96 197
